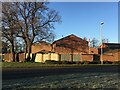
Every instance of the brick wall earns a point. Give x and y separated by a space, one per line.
87 57
63 50
93 50
8 57
21 57
115 56
41 46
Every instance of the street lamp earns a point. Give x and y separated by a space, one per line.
101 56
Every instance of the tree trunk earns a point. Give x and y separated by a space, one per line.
13 52
25 51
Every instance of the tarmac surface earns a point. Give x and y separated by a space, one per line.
19 73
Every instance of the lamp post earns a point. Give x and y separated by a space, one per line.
101 56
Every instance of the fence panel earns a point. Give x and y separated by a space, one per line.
54 57
38 58
76 57
65 57
45 57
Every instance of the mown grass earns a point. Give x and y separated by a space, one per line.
21 64
38 65
30 65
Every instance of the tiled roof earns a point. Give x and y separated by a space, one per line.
41 42
71 37
112 45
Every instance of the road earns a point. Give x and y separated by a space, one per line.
17 73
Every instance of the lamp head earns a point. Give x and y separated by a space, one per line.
102 23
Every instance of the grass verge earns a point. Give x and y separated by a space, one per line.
38 65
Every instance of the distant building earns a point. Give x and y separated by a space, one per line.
41 47
93 50
109 46
112 55
111 52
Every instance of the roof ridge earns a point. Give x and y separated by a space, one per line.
67 37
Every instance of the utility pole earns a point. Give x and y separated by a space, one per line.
101 56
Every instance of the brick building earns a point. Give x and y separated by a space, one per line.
93 50
70 44
41 47
109 46
69 48
72 48
111 51
111 55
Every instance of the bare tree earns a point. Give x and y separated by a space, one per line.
85 38
5 46
19 45
8 25
94 43
35 21
105 40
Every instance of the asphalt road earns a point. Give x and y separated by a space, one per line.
17 73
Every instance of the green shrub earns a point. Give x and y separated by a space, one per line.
86 62
93 62
73 62
116 62
51 62
107 62
78 62
68 62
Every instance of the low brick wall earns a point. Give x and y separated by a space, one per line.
8 57
19 57
87 57
53 56
112 57
43 57
22 57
